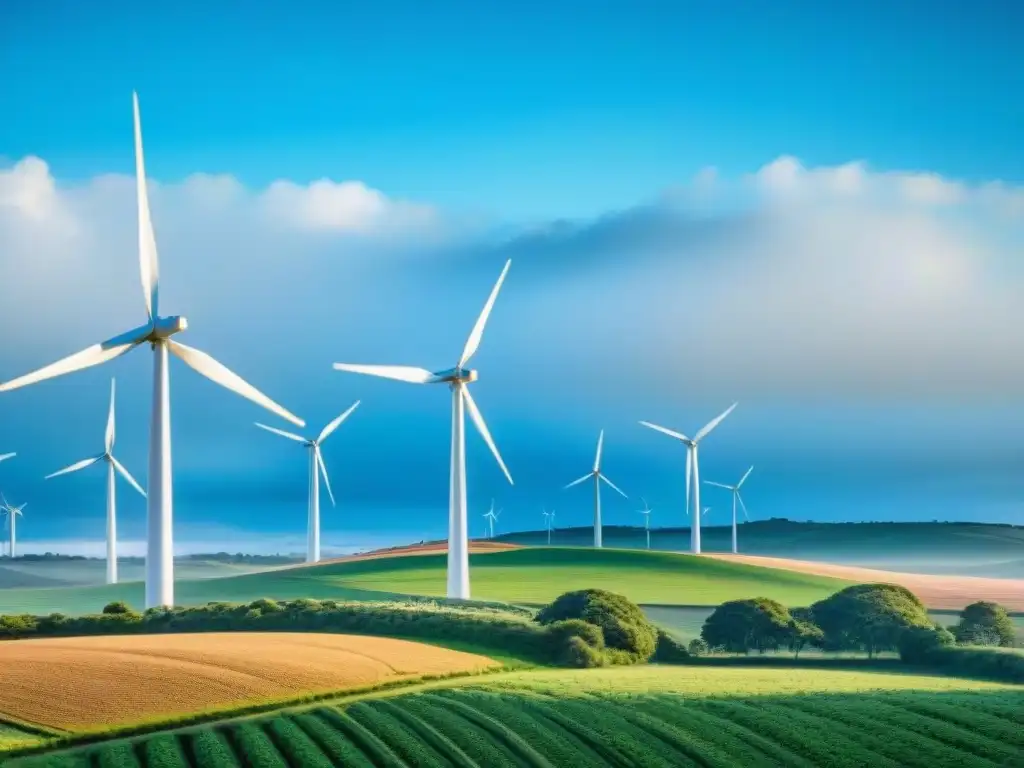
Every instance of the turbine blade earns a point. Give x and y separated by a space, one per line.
407 373
665 430
7 456
218 373
323 472
719 485
713 423
337 422
597 456
744 478
614 486
478 330
94 355
577 482
478 419
147 241
109 437
281 432
127 476
744 506
75 467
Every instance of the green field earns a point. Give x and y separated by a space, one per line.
966 549
634 716
533 575
20 573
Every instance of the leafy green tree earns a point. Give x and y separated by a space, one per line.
803 632
119 607
868 617
697 647
917 643
624 625
984 623
739 626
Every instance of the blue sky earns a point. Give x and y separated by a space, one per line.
813 208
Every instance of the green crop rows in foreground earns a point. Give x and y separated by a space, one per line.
481 726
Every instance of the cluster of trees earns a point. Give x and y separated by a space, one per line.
580 629
870 618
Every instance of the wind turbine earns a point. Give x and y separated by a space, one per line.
316 460
12 514
598 477
735 489
693 471
492 517
646 512
458 379
156 332
549 518
112 465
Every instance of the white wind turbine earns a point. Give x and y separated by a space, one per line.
646 512
156 332
112 465
492 518
458 379
549 518
316 460
735 490
598 477
693 471
12 515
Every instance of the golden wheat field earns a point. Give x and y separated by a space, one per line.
87 682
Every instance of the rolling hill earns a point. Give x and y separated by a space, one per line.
964 549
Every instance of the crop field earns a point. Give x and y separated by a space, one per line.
83 683
616 718
526 575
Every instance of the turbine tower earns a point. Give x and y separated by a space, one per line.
112 466
646 512
12 515
458 379
316 461
492 518
735 490
693 471
156 332
549 518
598 477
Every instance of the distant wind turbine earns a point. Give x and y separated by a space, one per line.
598 477
646 512
492 518
316 461
156 332
12 515
458 379
693 471
112 466
735 489
549 518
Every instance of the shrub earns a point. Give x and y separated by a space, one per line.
868 617
916 644
984 623
669 650
624 625
739 626
989 663
119 607
698 647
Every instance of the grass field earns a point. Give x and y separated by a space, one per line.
82 573
963 549
529 575
636 716
83 683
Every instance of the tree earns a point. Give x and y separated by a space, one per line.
803 631
984 623
120 607
624 625
916 643
868 617
739 626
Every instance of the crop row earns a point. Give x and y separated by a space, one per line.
480 727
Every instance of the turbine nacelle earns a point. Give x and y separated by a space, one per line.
165 327
455 376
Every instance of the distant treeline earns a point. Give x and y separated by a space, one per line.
238 558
